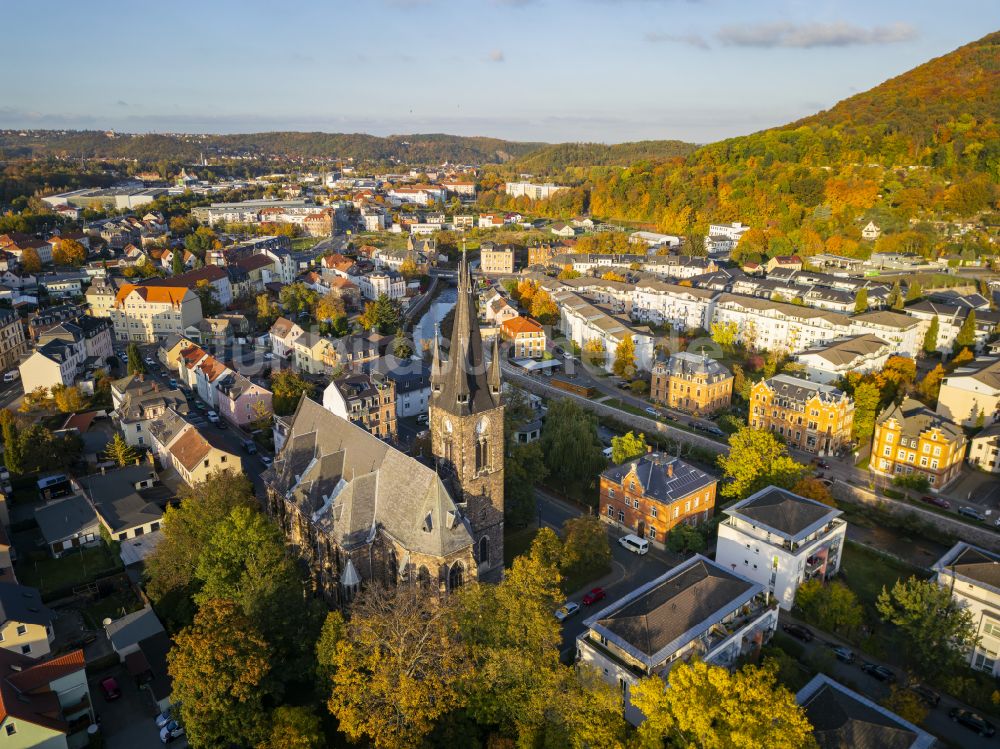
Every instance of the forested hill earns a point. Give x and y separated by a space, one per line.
561 156
428 149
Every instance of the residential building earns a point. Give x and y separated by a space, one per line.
764 325
693 383
45 703
68 524
138 402
842 718
653 240
490 220
972 574
829 362
101 296
192 452
169 352
12 341
871 231
368 400
984 449
283 334
214 276
809 416
498 309
682 307
25 622
910 438
501 259
148 314
781 540
526 335
585 323
314 354
972 392
532 190
56 362
905 333
786 262
127 632
698 609
651 494
375 284
129 501
241 401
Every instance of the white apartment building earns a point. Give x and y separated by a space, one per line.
776 326
780 540
904 333
582 322
972 575
682 307
57 362
531 190
971 390
149 314
950 319
652 239
390 283
373 220
829 362
697 609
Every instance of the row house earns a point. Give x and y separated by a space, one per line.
950 318
255 272
615 294
584 323
911 439
215 277
497 309
190 451
148 314
13 344
781 540
241 401
693 383
205 376
697 610
501 259
683 308
368 400
57 362
138 402
101 296
282 335
808 415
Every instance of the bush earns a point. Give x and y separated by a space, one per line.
729 423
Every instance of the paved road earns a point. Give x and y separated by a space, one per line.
850 674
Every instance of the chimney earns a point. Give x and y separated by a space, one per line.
670 469
649 449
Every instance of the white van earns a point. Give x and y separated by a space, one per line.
607 452
11 375
634 544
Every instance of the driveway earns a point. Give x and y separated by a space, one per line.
127 723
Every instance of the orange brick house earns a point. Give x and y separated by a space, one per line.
526 334
651 494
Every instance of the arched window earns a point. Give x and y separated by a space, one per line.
456 576
482 445
484 550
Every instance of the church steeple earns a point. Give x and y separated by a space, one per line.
462 385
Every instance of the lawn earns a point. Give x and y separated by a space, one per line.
75 568
115 606
866 572
304 243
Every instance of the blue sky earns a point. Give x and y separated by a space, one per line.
548 70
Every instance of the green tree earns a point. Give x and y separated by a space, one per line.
861 301
895 298
294 728
624 364
267 310
210 304
573 453
866 405
13 454
296 298
401 347
120 451
219 667
333 631
586 551
683 538
832 607
913 291
524 469
381 315
136 366
287 388
629 445
966 337
177 261
935 632
931 336
756 459
398 669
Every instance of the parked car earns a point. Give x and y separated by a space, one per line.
634 544
844 655
820 463
972 512
172 730
212 416
798 632
972 721
268 355
595 595
110 688
714 430
567 610
926 694
149 360
881 673
250 446
266 461
650 410
936 501
165 717
11 375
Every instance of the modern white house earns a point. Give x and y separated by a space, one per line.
780 540
972 575
829 362
697 609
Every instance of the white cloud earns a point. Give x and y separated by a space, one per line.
692 40
808 35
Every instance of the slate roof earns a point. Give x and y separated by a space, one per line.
350 483
915 419
843 719
115 498
668 612
662 477
65 517
802 391
971 562
22 603
688 364
791 516
845 351
133 628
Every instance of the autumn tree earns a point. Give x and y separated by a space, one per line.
331 633
381 315
624 364
543 308
935 631
966 337
329 309
866 405
525 293
210 304
136 366
13 453
30 261
757 459
287 388
595 351
398 669
724 334
267 310
401 347
913 291
524 469
68 398
812 488
906 704
930 386
296 298
931 336
294 728
219 667
120 451
831 606
69 252
629 445
408 269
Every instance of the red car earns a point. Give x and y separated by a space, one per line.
110 688
936 501
597 594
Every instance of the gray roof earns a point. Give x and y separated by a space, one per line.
973 563
132 628
688 364
118 502
65 518
787 514
22 603
662 476
350 483
801 391
845 351
915 419
665 614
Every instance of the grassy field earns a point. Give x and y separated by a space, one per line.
75 568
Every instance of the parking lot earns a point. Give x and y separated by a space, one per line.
129 721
